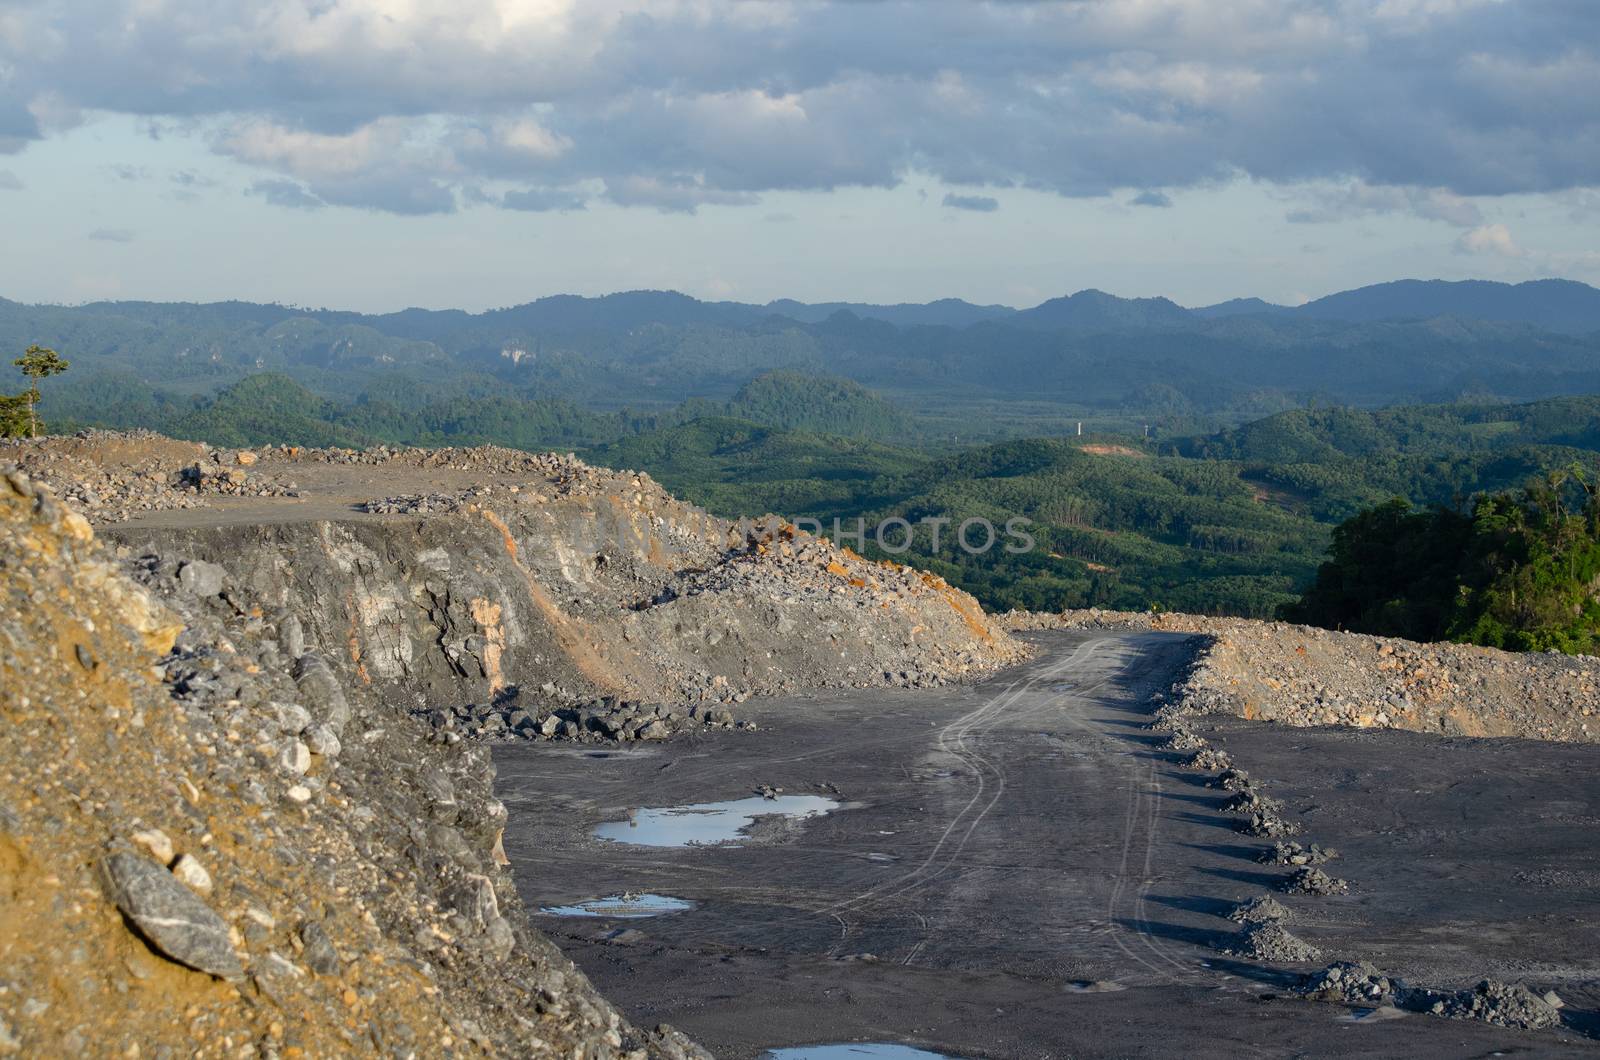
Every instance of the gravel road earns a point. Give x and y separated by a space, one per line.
1019 869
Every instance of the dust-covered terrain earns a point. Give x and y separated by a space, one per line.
1026 868
245 811
249 807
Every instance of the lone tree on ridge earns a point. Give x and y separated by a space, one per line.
38 362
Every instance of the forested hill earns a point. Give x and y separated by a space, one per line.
1234 521
962 371
1320 435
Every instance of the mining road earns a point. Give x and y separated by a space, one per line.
1017 869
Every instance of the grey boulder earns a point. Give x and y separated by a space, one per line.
171 917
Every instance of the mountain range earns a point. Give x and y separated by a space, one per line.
955 368
1562 306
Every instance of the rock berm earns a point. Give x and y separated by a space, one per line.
1301 675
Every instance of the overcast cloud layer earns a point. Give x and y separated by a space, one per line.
421 106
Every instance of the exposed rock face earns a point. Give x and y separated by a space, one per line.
230 821
555 583
1300 675
191 865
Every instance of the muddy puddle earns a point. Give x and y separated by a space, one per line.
621 906
854 1051
708 823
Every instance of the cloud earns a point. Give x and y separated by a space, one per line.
389 164
1360 199
286 193
112 235
975 203
1410 106
188 178
1494 239
541 200
1152 198
673 194
9 181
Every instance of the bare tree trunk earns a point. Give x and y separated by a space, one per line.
33 416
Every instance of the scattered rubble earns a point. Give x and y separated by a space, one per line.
149 473
603 720
1232 779
1502 1004
1282 853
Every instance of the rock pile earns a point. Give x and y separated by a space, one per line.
605 720
1258 910
1268 940
1283 853
1348 982
149 474
1503 1004
1313 881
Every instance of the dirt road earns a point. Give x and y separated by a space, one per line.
1015 870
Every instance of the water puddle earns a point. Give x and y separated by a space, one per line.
1371 1015
622 906
854 1051
1094 986
708 823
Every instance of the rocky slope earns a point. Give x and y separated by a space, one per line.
210 847
228 823
445 577
1301 675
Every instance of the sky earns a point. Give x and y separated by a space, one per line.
377 154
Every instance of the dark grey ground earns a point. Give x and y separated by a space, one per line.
1041 843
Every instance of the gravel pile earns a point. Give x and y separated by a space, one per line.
1348 982
1267 826
1502 1004
1271 941
416 504
1282 853
1259 910
1300 675
1313 881
562 475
